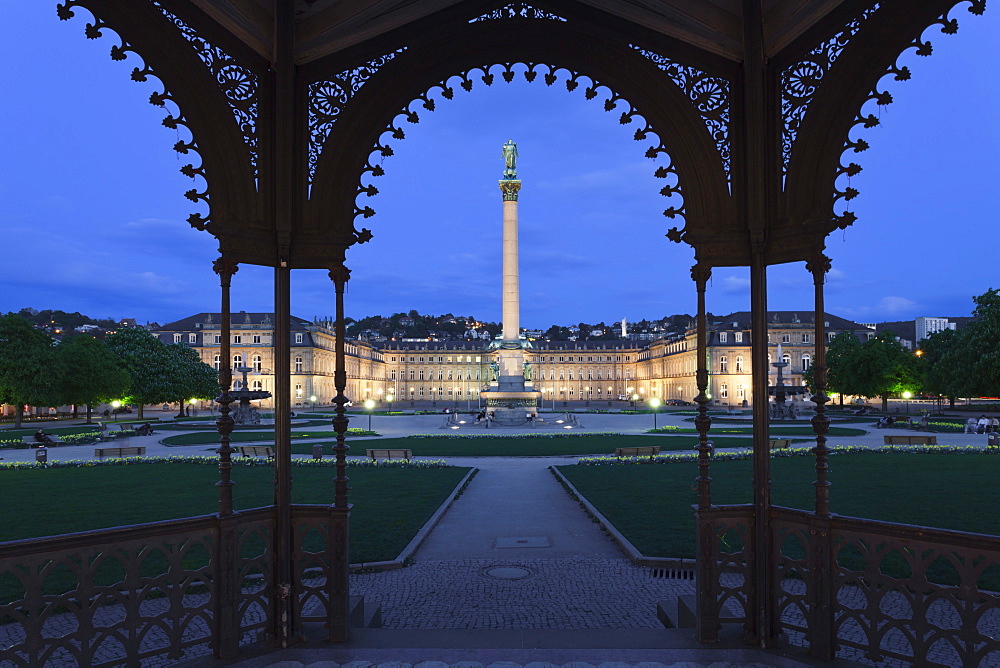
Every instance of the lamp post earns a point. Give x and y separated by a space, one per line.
191 403
907 395
115 405
655 403
369 404
313 400
635 398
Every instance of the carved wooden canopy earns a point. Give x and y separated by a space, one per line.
292 104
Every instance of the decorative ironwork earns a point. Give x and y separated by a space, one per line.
327 100
882 98
800 81
238 83
132 594
517 10
487 75
710 96
95 30
861 589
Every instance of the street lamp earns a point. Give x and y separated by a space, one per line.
907 395
635 398
655 403
115 405
191 403
313 400
369 404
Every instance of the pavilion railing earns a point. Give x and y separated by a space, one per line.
171 590
860 589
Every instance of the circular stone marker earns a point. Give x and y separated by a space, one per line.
507 572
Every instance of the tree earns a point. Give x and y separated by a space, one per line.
30 373
978 353
945 365
882 367
151 367
839 363
97 374
192 378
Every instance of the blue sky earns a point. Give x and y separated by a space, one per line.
94 215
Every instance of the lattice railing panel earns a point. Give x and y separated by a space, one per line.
898 593
724 534
95 598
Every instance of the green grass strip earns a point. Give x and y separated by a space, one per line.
651 504
391 503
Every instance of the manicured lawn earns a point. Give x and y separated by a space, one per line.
776 430
212 437
8 434
391 504
651 504
473 447
529 447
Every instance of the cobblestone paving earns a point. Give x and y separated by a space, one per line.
556 593
510 664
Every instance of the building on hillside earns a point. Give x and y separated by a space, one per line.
926 326
312 360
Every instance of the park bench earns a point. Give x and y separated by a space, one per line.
125 451
388 453
638 451
256 451
779 443
993 440
910 440
30 440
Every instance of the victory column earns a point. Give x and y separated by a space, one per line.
510 398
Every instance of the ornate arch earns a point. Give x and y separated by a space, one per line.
206 91
821 161
677 110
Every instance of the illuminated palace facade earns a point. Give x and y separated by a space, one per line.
567 373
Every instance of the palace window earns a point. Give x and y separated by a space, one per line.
298 391
739 364
257 363
741 392
218 338
298 338
256 338
723 364
218 362
177 338
724 391
237 360
738 337
723 337
805 338
298 365
192 338
806 361
237 339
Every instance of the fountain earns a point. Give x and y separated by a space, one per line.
245 412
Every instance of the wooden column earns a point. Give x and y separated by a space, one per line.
225 269
337 585
822 626
706 601
226 616
285 166
760 151
340 275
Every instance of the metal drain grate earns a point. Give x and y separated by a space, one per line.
672 573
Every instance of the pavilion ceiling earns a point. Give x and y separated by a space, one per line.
328 26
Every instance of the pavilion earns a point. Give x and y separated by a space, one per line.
288 106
